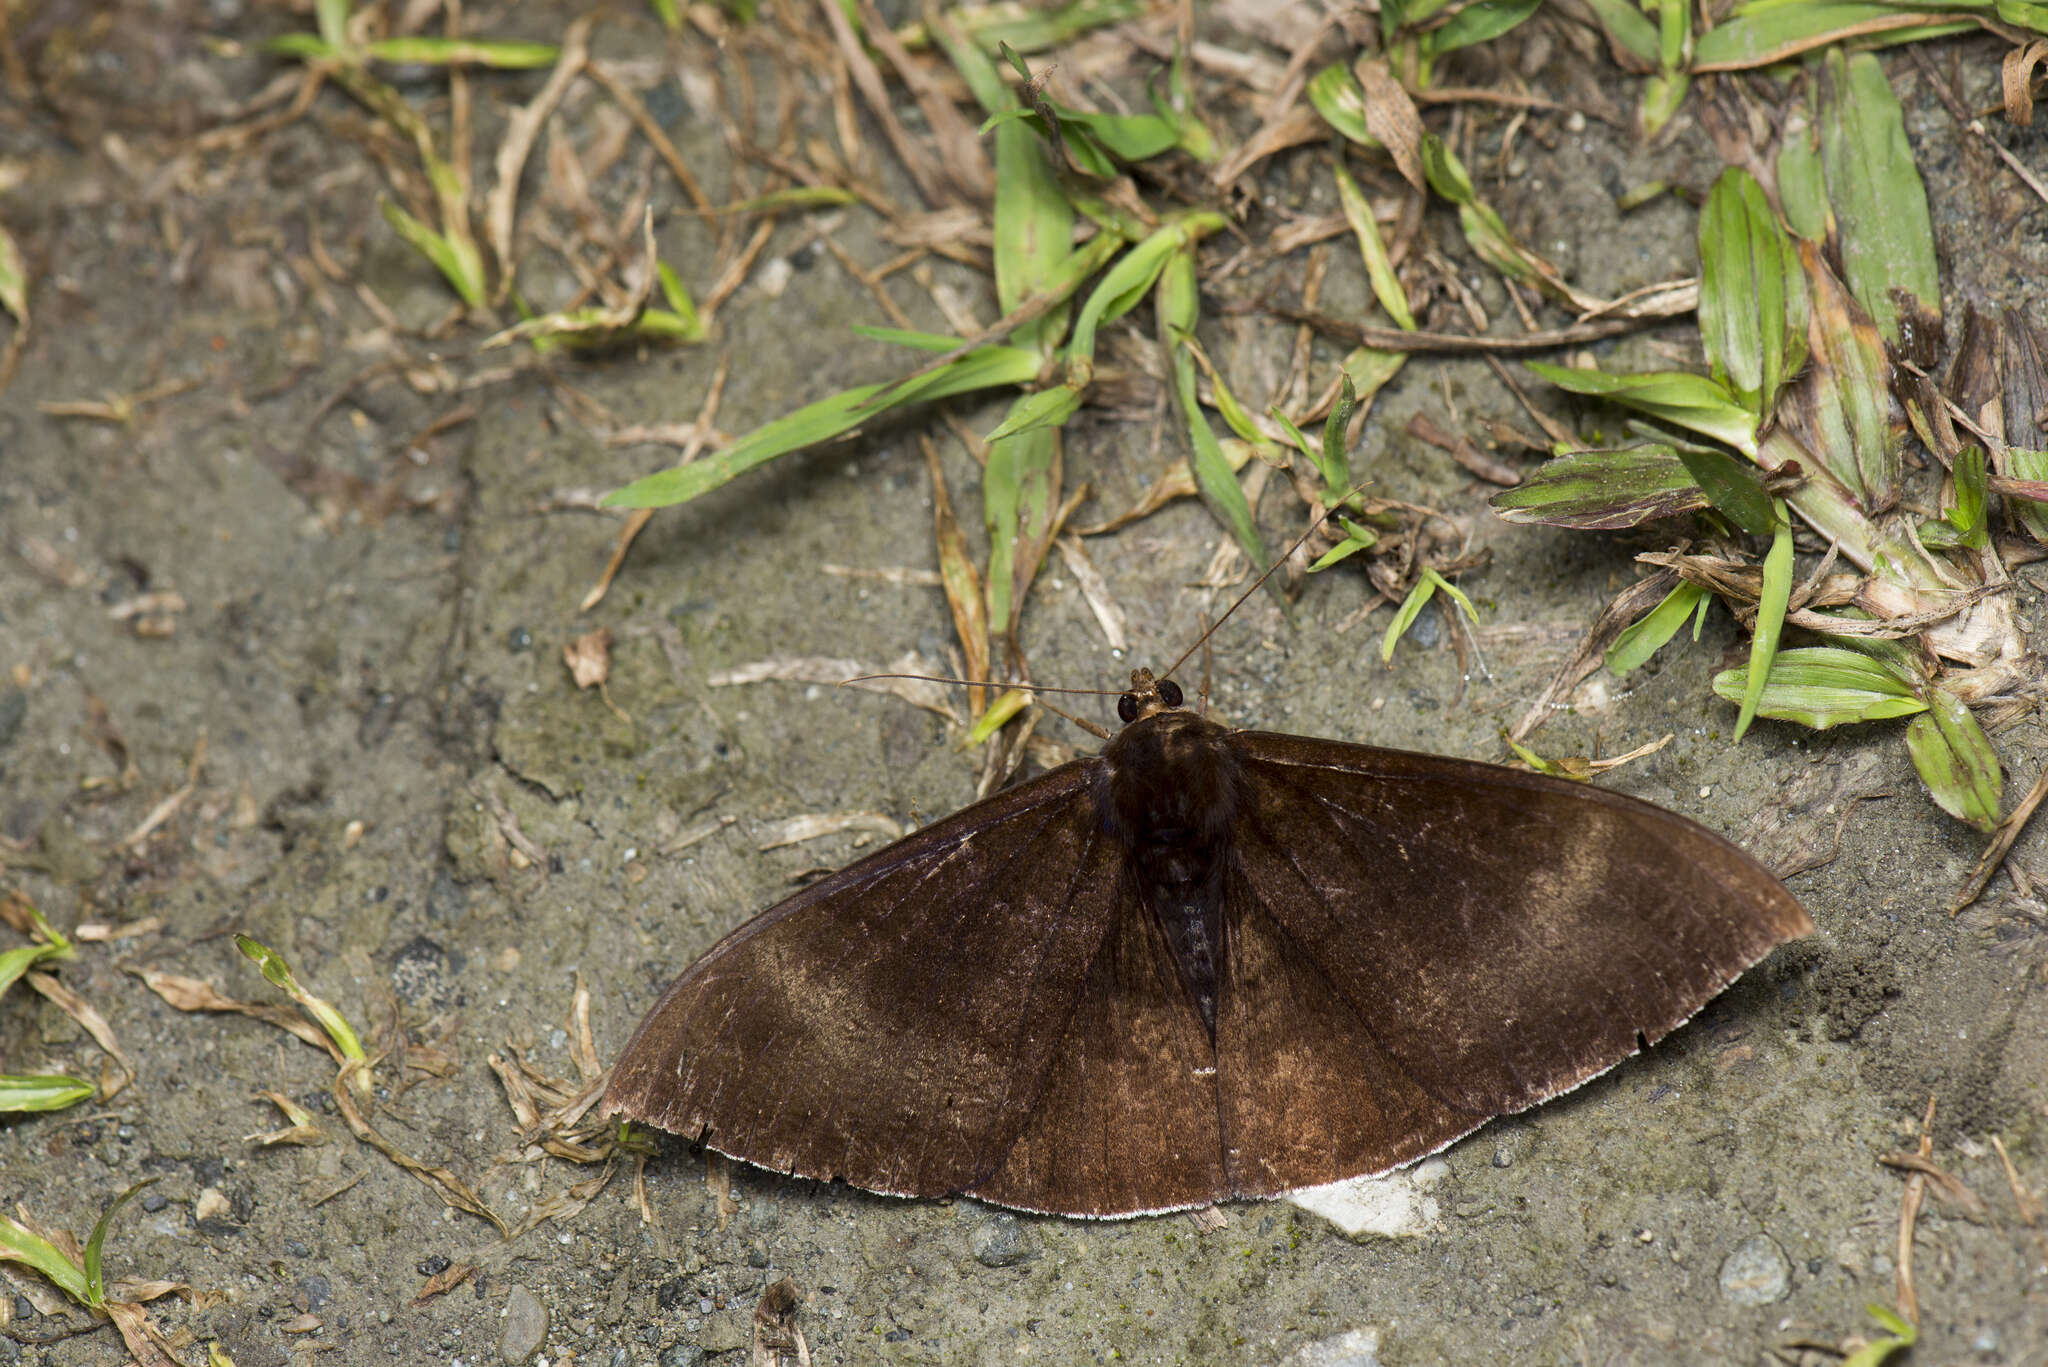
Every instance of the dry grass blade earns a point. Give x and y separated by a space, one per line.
565 1204
444 1281
816 825
1629 604
1946 1184
2028 1203
2002 838
1096 590
826 669
452 1190
962 583
776 1340
1391 117
191 994
522 127
1670 303
168 807
300 1130
92 1022
1908 1299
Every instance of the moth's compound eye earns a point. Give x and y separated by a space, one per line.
1169 692
1127 708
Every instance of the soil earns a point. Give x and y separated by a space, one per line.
370 654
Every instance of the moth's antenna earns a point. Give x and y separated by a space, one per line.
1278 561
988 683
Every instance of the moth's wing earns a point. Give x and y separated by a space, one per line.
893 1024
1307 1094
1125 1121
1499 936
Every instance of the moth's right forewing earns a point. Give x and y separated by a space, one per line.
891 1025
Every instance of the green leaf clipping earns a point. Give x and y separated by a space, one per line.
1825 686
1955 760
1770 620
1648 634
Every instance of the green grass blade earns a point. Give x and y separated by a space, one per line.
1770 619
1335 94
1020 494
1767 33
1386 286
1879 200
983 368
1478 22
1603 490
1627 28
1046 408
1404 616
464 275
18 1244
1802 182
1648 634
1178 305
279 974
1693 402
1735 490
1826 686
330 17
41 1092
505 56
1900 1333
1747 266
95 1279
1955 760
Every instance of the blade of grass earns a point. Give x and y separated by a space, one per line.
279 974
1178 305
1955 760
41 1092
1020 498
1648 634
1770 619
20 1244
1748 267
95 1278
1875 188
1825 686
1386 286
1603 490
1693 402
983 368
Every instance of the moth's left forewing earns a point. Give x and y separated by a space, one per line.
1501 936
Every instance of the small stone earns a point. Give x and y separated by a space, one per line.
431 1266
1352 1348
682 1355
155 1202
1756 1272
315 1292
526 1326
1001 1242
1503 1157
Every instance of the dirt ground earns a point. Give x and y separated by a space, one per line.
370 652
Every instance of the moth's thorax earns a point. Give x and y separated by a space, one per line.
1172 800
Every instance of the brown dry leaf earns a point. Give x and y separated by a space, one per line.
589 657
777 1340
100 725
816 825
565 1204
306 1323
299 1130
444 1281
191 994
452 1190
1945 1184
92 1022
1391 117
2016 76
962 583
145 1343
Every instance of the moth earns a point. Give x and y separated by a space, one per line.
1201 965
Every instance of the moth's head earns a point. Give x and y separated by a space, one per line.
1148 697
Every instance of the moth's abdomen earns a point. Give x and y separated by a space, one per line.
1174 791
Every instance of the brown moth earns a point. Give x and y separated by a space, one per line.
1203 964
